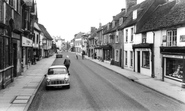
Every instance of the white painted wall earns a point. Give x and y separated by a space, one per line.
180 31
157 55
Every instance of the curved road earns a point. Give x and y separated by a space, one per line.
95 88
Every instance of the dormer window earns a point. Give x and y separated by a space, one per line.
134 14
121 21
113 24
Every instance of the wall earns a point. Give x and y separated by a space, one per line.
157 54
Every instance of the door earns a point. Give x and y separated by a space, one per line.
138 61
15 59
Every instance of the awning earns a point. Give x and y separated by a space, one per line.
142 45
104 47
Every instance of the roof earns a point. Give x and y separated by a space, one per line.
36 26
57 66
79 35
45 32
141 9
163 16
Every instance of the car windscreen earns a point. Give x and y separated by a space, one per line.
54 71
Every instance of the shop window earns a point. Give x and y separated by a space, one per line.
174 68
172 38
146 59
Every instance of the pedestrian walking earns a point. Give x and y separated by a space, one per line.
76 56
67 63
83 53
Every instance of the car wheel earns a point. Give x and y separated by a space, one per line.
68 87
47 88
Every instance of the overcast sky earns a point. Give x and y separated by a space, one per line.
66 18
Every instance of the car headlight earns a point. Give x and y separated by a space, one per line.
48 80
66 79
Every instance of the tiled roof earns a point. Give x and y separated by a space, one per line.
156 19
141 9
45 32
176 16
79 35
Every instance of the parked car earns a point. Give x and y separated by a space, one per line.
57 76
59 55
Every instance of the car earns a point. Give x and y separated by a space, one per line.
59 55
57 76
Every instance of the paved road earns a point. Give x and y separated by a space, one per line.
95 88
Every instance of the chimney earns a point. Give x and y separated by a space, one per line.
99 25
113 17
130 3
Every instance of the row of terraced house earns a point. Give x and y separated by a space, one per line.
23 41
147 38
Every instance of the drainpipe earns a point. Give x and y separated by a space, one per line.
152 50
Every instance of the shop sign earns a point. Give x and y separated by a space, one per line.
173 56
164 38
182 38
26 42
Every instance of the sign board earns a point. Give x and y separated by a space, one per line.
182 38
26 42
173 56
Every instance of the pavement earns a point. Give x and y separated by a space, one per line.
19 94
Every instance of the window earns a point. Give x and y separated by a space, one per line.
15 4
126 39
172 38
113 24
132 34
117 55
37 38
126 58
57 71
116 39
174 68
134 14
1 53
120 21
146 59
7 52
131 58
143 37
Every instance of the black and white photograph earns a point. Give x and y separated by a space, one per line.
92 55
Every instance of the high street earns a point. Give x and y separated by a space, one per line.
94 87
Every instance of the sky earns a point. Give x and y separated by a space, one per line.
65 18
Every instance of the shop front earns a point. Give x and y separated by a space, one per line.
26 52
143 59
173 60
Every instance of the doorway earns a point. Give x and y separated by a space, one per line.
138 62
15 60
